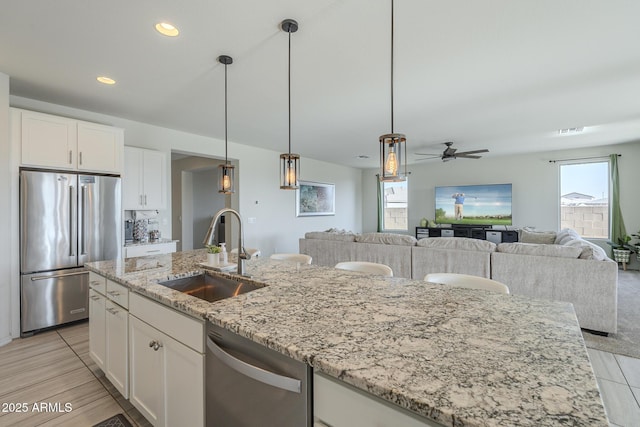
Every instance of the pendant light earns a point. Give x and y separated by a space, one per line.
393 146
226 172
289 162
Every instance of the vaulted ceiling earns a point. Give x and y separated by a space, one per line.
498 74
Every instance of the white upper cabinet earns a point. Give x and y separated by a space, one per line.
61 143
99 147
48 141
144 180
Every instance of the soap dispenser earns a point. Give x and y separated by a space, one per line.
225 255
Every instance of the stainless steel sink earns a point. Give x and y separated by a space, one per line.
211 288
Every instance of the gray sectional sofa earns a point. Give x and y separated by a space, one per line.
556 266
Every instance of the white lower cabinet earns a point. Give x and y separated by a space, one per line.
108 330
150 249
117 347
338 404
97 328
167 372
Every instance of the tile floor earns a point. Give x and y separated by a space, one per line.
55 367
619 381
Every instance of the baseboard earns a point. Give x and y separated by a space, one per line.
5 340
600 333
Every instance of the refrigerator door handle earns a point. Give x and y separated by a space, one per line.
83 223
72 251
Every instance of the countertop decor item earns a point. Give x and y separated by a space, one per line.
290 162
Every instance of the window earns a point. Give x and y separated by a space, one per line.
394 206
584 198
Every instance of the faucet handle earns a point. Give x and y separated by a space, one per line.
243 254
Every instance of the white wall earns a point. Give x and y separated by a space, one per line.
6 290
536 188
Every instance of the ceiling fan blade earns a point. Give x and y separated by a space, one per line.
467 156
473 152
427 158
427 154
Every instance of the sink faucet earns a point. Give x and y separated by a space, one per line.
243 255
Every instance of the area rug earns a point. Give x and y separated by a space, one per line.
115 421
627 340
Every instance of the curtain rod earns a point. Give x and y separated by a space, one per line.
581 158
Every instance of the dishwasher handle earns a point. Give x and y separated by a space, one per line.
251 371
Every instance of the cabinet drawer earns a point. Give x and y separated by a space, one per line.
178 326
118 293
143 250
97 282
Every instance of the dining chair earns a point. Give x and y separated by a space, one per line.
467 281
301 258
366 267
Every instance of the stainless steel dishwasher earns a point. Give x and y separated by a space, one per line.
249 385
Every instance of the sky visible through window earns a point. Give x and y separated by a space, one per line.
586 178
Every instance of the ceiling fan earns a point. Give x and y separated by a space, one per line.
450 153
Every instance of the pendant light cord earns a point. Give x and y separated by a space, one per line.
226 161
289 83
392 66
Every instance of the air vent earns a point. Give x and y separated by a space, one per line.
570 131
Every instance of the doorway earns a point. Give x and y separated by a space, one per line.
195 199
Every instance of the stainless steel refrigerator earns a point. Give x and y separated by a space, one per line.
66 219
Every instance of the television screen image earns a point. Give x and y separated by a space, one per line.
474 204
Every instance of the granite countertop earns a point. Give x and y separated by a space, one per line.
149 242
457 356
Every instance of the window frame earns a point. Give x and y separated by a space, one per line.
383 207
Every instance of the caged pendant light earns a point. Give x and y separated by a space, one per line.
226 172
289 162
393 146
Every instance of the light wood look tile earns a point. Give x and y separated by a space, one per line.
605 366
636 394
630 368
620 404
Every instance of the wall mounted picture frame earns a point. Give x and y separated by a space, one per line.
315 199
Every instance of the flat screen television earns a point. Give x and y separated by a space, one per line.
474 204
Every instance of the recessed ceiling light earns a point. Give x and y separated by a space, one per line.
167 29
362 156
106 80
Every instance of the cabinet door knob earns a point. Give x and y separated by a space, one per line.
95 297
113 293
155 345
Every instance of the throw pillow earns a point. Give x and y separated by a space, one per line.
457 243
589 250
566 235
541 237
387 239
557 251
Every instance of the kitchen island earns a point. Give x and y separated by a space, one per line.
455 356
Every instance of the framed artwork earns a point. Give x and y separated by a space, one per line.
315 198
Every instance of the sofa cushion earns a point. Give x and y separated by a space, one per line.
541 237
566 235
558 251
387 239
457 243
331 234
589 250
